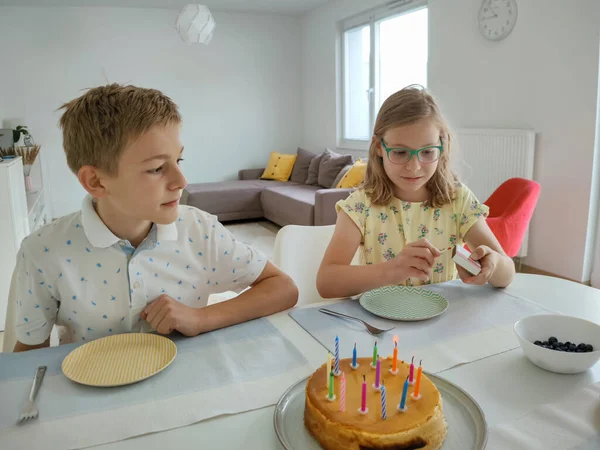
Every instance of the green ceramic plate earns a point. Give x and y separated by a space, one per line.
403 303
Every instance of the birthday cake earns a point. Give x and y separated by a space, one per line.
342 423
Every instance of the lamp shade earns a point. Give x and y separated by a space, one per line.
195 24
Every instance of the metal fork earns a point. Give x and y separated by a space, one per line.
29 411
370 328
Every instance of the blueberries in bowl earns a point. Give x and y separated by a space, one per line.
554 344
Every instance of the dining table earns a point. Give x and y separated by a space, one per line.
238 410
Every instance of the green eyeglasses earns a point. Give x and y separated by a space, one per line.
426 155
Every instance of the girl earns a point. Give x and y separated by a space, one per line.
411 210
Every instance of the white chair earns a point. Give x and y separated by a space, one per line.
299 251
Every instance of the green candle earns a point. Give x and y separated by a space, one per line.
331 384
375 354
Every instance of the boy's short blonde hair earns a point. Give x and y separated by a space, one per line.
98 126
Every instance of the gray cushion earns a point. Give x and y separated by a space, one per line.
313 170
300 171
340 175
330 165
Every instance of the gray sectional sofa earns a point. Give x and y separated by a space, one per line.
249 197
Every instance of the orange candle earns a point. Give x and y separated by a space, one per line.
416 394
394 369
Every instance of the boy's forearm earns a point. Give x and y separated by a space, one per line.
337 281
504 274
271 295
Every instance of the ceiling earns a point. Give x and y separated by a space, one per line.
287 7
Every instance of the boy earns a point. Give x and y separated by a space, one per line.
132 259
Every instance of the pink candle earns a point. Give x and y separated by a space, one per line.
411 376
377 384
363 401
343 393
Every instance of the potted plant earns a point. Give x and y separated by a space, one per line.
22 130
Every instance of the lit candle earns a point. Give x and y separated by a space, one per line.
337 356
343 393
377 384
363 399
416 394
394 369
328 368
331 395
354 362
402 405
411 374
374 363
383 400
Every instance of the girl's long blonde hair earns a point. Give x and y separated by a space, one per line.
409 105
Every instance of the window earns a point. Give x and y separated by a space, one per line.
383 51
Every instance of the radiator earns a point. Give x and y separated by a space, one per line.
485 158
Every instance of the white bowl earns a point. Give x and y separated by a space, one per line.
564 328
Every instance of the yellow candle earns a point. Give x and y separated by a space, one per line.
395 361
328 368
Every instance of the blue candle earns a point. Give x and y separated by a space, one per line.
402 405
354 356
337 356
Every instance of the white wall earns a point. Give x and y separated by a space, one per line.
544 76
239 96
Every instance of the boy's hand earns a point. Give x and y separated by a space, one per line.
166 314
414 261
488 259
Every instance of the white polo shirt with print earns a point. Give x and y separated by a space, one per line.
75 272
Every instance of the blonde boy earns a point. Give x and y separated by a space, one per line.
133 259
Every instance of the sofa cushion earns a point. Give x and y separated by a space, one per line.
280 167
313 170
226 197
340 175
330 165
300 171
290 203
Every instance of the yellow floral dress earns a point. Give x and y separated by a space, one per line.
387 229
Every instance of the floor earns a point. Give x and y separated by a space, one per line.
260 235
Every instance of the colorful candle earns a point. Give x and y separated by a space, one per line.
395 357
383 401
363 399
377 384
411 374
402 405
343 393
374 363
416 394
337 356
328 368
354 362
331 381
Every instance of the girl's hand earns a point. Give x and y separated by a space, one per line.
489 260
414 261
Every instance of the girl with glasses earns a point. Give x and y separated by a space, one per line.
411 210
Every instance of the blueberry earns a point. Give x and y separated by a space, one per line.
552 340
581 346
560 344
545 343
538 343
568 344
555 345
589 348
579 350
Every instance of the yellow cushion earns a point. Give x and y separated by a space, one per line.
355 176
280 167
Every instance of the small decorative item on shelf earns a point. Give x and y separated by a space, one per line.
29 154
